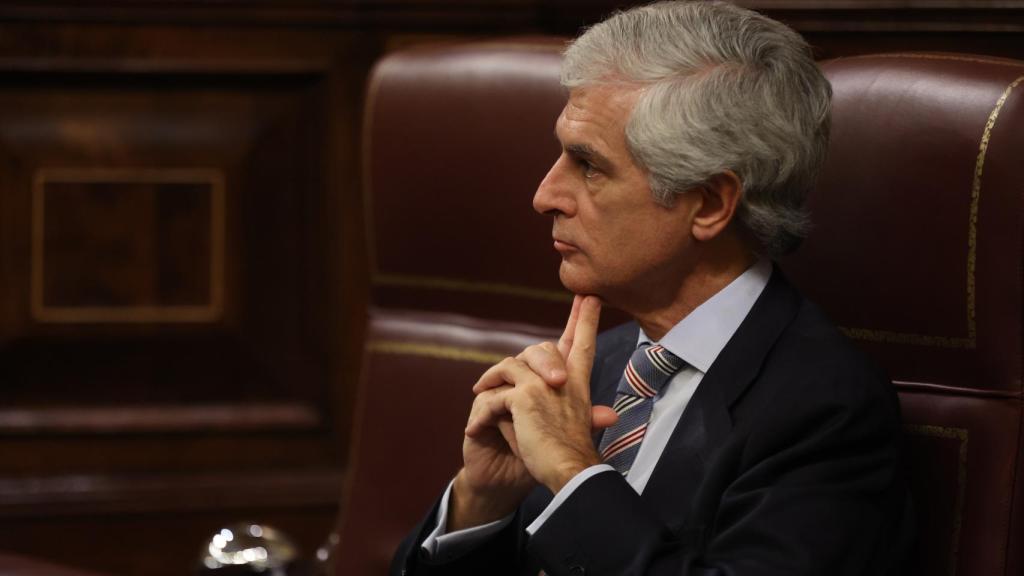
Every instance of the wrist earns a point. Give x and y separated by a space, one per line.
569 469
469 506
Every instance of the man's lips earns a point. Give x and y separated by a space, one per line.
565 247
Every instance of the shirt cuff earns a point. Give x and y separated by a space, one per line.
565 492
442 547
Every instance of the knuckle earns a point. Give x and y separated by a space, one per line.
510 363
517 395
536 351
480 399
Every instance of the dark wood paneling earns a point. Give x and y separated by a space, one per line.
276 19
154 544
181 292
76 495
94 266
122 455
142 418
127 246
516 16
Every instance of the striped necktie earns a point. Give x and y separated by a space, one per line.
648 370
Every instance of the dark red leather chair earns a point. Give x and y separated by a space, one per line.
456 140
916 252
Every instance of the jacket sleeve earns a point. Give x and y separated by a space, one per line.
498 556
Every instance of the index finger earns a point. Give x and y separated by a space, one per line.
565 342
584 342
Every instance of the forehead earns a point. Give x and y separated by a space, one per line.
599 111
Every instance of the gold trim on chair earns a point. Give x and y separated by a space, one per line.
970 341
972 239
962 435
949 57
888 337
456 285
436 351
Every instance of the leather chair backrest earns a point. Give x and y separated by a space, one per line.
456 141
916 252
418 372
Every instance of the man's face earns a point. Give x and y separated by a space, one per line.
615 240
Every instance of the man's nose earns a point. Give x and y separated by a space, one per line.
555 193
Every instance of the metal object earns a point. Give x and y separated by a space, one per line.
248 548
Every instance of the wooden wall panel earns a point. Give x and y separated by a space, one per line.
113 163
151 543
179 277
127 245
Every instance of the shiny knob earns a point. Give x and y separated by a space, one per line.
246 548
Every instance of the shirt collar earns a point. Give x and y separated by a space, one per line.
703 333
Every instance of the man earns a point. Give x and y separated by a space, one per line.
739 432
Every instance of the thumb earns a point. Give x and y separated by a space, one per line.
602 417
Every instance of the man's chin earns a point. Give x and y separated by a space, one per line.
577 283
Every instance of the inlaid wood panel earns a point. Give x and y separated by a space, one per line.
141 203
179 285
131 245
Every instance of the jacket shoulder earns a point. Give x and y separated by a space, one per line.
616 338
817 372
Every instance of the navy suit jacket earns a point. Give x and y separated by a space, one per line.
786 461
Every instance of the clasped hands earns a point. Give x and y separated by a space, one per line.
531 422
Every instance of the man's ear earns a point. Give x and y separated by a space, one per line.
719 198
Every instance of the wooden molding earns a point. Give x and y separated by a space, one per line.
551 16
159 419
74 495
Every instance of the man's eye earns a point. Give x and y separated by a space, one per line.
589 170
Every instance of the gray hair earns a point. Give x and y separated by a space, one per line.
725 88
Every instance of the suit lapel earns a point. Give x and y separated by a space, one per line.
609 366
706 421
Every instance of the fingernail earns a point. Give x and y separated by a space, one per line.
557 374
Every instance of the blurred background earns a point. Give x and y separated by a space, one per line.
183 278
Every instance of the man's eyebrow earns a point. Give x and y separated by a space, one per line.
586 152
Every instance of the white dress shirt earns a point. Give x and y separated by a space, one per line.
697 339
